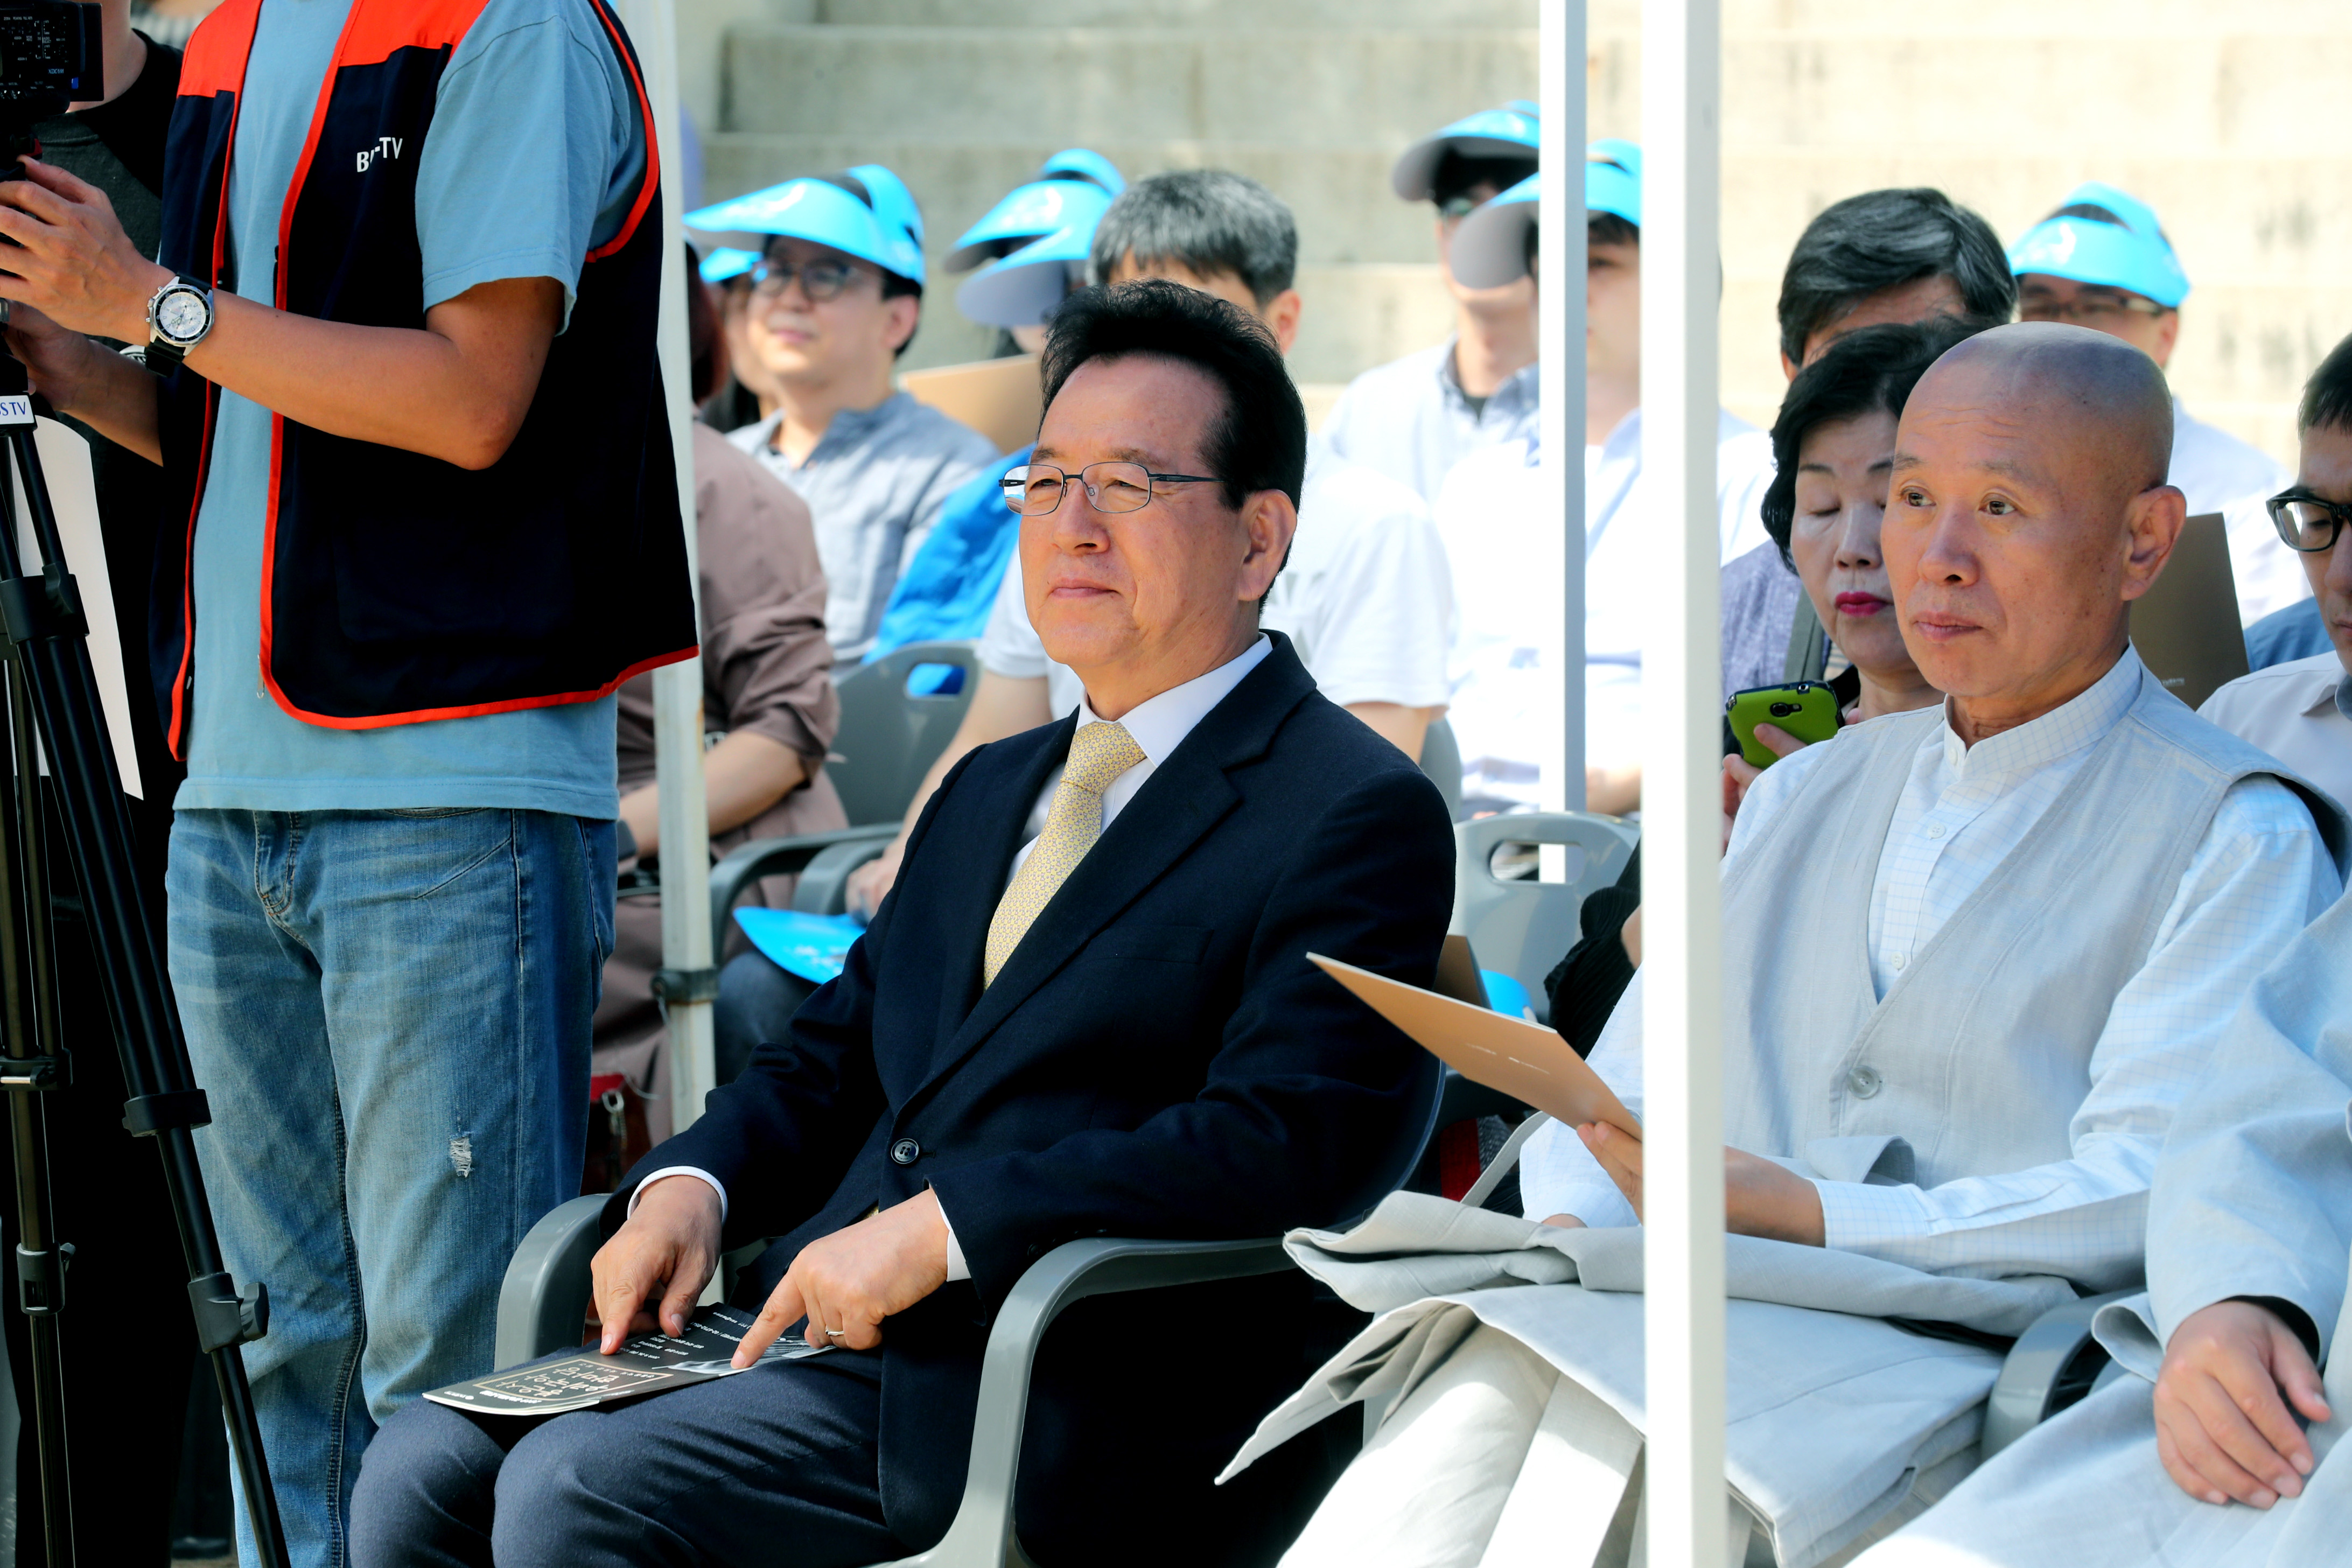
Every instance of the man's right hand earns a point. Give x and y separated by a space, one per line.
2223 1429
871 883
667 1250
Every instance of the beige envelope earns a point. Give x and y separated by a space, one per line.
1525 1060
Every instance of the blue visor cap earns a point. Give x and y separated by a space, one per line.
727 262
1084 163
1025 289
1031 213
821 213
2132 254
1612 179
893 202
1509 132
1490 248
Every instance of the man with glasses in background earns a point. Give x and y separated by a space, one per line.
2301 711
1414 418
835 299
2102 260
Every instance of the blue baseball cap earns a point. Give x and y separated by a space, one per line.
2131 253
728 261
1510 131
823 214
1022 289
1028 214
1490 249
1612 179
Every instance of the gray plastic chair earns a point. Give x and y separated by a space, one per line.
544 1305
1440 759
889 736
1523 927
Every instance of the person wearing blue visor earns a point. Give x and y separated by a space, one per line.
834 300
1414 418
1490 516
2102 260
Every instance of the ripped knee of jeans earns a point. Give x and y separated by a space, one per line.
461 1153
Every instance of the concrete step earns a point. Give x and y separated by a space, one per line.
1225 15
1351 90
1340 197
1980 93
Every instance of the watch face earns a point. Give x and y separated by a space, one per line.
180 315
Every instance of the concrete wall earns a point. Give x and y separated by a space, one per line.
2216 116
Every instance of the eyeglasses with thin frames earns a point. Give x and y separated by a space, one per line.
2092 310
2307 523
1035 489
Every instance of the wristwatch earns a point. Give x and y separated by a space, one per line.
178 317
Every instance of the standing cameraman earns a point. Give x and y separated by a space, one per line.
422 521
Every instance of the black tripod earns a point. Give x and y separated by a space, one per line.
54 714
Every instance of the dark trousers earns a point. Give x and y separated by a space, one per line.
757 999
773 1467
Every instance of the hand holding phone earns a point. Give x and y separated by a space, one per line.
1806 711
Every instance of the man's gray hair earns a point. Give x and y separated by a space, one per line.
1206 221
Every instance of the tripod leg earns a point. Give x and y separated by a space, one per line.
27 1002
43 619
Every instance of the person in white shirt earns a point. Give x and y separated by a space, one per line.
1414 418
2301 711
1490 513
1975 957
2102 260
1365 594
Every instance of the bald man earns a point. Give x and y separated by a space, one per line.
1975 956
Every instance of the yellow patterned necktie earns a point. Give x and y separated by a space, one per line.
1099 753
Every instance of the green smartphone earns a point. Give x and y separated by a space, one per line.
1807 710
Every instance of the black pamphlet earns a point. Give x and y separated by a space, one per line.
649 1364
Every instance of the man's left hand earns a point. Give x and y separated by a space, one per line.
854 1279
1760 1199
77 268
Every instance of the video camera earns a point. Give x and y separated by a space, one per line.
50 56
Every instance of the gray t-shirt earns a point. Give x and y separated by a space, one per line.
534 156
874 484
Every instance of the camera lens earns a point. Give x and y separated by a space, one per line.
1782 710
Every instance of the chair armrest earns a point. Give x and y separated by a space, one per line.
2052 1364
823 888
747 863
982 1535
543 1301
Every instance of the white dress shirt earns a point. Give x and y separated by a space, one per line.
1158 726
1411 420
1364 598
1490 515
2258 877
2300 712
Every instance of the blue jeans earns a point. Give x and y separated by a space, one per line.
389 1011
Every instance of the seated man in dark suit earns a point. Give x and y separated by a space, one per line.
1084 1010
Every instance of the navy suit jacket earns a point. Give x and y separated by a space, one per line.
1157 1058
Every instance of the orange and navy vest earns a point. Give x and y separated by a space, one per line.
396 587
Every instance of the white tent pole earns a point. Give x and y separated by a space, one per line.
1559 337
677 688
1682 1042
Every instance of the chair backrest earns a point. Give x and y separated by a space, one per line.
889 736
1522 926
1440 759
